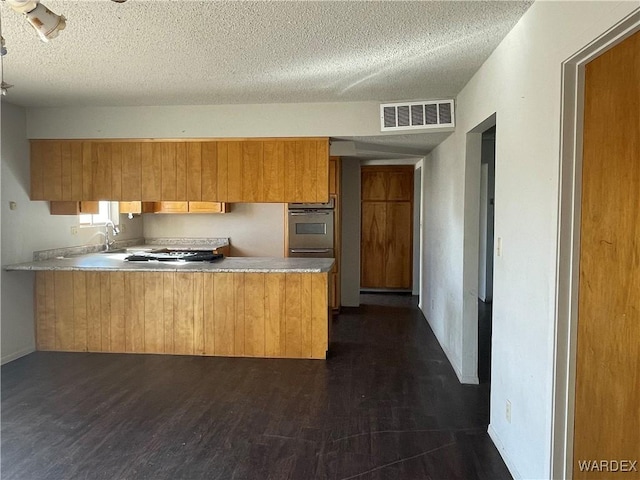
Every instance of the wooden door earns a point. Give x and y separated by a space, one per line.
607 399
372 248
387 227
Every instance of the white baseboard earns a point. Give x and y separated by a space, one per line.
15 355
503 453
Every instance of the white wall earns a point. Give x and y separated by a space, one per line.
26 229
199 121
520 82
255 230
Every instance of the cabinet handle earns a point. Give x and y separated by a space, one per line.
309 250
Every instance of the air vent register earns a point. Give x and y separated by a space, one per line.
414 115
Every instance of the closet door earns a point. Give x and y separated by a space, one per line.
387 227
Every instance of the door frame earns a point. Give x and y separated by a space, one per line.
471 250
568 254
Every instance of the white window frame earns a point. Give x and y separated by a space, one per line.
106 211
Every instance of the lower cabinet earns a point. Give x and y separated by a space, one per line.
183 313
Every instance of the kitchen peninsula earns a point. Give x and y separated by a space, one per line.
244 306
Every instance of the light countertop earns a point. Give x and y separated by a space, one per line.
116 262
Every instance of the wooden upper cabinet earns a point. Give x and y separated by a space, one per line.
208 172
73 208
131 173
234 171
194 170
322 171
151 171
101 170
252 177
46 171
71 158
56 170
272 170
189 207
306 171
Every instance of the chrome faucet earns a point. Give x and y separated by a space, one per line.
108 243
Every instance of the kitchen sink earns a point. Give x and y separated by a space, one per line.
115 250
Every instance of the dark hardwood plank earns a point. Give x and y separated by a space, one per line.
386 405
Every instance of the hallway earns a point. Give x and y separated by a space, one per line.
386 405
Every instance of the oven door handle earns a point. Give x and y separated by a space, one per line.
301 214
309 250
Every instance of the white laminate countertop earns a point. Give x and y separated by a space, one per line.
116 262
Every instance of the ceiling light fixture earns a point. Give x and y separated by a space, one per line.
43 20
4 87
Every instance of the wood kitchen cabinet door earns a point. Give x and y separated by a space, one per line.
273 171
37 170
46 171
170 207
209 172
71 160
230 171
306 190
151 172
116 171
252 176
194 171
56 170
131 173
73 208
101 171
306 178
173 158
322 171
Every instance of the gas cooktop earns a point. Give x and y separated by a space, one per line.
166 255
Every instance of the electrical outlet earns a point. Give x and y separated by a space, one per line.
123 227
433 304
507 411
499 247
74 230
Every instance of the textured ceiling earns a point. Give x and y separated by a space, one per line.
181 52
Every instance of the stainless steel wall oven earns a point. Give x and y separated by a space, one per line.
311 229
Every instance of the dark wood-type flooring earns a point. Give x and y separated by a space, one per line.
386 405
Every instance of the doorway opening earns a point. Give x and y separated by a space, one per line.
485 252
471 249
